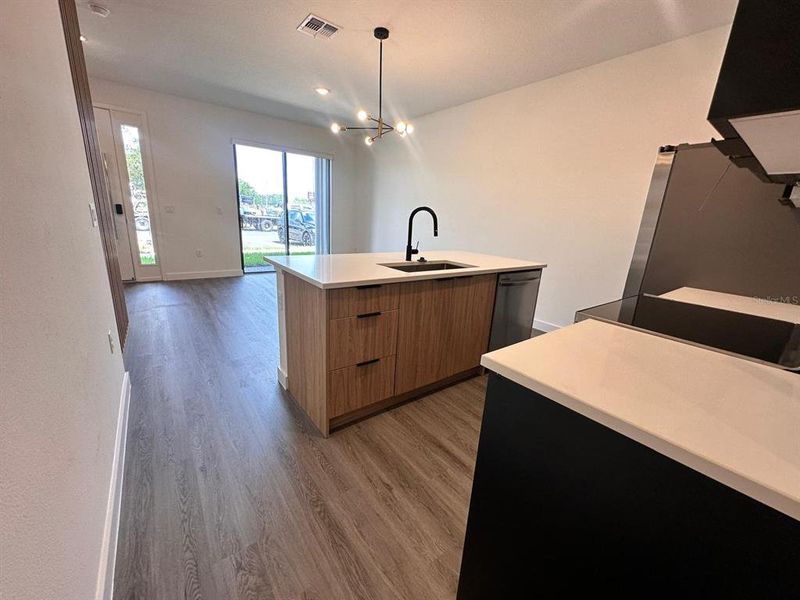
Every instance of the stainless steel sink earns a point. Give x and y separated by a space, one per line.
433 265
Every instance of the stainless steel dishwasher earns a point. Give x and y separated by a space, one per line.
514 305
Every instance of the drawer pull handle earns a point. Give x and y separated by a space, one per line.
368 362
368 287
516 283
365 315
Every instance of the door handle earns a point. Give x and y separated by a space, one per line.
532 278
371 314
368 362
516 283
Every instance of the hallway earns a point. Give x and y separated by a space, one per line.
229 493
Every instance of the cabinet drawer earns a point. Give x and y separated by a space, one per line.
349 302
357 386
364 337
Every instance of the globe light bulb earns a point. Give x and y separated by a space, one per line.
362 115
335 127
400 127
409 128
368 141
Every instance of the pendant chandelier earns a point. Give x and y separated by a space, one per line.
378 127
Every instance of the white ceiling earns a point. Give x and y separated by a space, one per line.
247 54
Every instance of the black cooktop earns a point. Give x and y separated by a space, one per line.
767 340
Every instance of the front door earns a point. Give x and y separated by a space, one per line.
122 144
102 119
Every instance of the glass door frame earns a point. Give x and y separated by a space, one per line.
323 180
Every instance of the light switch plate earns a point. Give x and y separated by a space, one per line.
92 213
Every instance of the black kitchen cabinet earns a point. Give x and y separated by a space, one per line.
563 506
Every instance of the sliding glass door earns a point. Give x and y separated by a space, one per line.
284 201
307 192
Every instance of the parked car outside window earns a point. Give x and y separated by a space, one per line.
302 228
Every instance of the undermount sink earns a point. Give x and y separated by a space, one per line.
432 265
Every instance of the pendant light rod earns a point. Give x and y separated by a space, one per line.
381 128
380 33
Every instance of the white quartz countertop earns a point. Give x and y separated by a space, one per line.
782 311
347 270
733 420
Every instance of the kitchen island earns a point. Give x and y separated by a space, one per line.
612 460
358 333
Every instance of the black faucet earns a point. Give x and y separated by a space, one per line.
409 249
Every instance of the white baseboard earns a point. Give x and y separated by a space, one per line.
545 326
203 274
108 552
283 379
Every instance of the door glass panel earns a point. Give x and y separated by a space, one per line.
307 198
283 204
260 187
141 210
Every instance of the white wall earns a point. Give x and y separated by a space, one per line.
191 145
554 171
59 383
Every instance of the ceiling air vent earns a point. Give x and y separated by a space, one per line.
316 27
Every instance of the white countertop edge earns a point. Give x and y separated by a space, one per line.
402 276
720 473
407 276
748 305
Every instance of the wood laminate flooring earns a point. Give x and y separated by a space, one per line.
229 492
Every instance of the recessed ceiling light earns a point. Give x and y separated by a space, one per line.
322 91
82 38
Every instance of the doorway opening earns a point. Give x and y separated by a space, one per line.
123 147
284 204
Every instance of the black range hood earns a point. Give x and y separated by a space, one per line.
756 104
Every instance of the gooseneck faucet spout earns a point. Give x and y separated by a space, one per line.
409 249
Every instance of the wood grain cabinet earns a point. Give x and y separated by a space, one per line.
354 351
360 385
356 339
348 302
444 328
